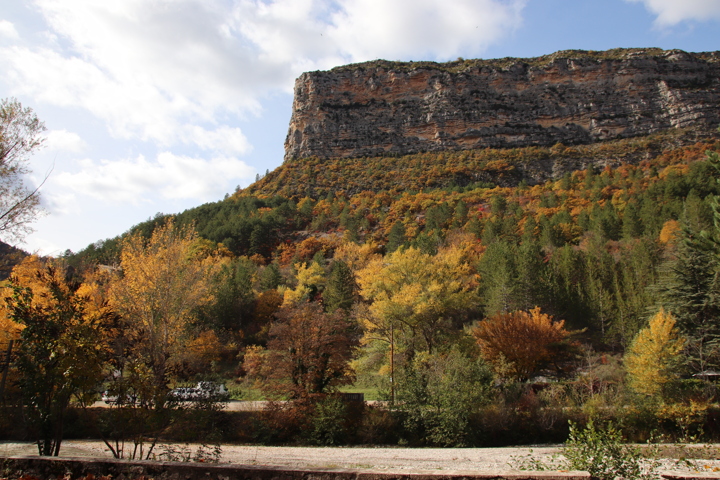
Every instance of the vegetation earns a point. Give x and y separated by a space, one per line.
483 314
461 65
20 136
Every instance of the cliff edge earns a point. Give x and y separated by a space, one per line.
570 97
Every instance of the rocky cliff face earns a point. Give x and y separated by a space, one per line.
575 97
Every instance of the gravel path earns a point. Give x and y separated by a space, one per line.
421 460
392 459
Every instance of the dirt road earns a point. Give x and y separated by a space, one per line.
392 459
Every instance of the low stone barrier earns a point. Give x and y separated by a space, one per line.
63 468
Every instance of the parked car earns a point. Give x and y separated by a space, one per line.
183 394
111 399
212 390
202 391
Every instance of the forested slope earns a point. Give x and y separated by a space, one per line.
584 246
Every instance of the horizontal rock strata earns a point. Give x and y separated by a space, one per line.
392 108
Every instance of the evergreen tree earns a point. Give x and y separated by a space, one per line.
531 276
270 277
340 288
692 288
692 293
631 224
474 227
259 240
396 237
498 269
234 296
460 216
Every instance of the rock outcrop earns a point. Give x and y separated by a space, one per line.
570 97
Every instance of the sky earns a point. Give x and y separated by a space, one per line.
157 106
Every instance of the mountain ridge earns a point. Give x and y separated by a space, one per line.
571 97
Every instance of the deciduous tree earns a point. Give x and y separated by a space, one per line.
519 343
310 351
61 352
653 358
310 281
158 295
20 136
415 295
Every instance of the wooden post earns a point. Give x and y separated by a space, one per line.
6 367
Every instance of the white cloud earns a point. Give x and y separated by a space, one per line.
170 176
224 139
64 141
149 70
157 70
672 12
322 33
7 30
369 29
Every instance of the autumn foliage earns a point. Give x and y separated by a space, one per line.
517 344
653 357
309 350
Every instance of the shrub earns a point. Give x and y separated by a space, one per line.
602 453
328 423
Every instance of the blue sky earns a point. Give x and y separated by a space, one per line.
158 106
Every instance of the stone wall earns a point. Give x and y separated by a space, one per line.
54 468
382 108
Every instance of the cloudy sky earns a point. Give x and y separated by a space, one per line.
161 105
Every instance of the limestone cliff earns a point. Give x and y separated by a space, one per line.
570 97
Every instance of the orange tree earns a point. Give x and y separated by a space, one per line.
309 350
61 350
519 343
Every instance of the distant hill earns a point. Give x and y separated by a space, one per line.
9 257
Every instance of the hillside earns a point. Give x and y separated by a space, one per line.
622 217
316 177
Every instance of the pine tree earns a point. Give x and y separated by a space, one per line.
692 287
692 292
498 269
460 216
396 237
340 288
270 277
631 224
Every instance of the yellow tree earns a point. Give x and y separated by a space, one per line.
653 357
158 292
26 274
310 278
415 295
518 343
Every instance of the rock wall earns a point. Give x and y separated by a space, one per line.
575 97
59 468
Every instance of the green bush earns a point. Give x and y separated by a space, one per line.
438 396
328 423
602 453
